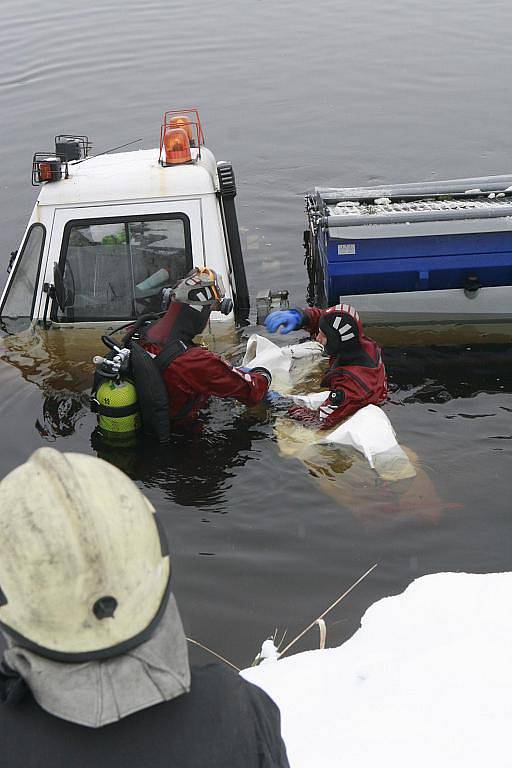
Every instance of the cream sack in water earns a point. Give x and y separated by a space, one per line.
288 365
369 430
371 433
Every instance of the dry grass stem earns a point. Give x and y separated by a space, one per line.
281 641
214 653
323 633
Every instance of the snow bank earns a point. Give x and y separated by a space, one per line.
426 681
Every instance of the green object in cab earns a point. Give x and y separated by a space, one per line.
114 239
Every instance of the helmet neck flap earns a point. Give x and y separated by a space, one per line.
101 692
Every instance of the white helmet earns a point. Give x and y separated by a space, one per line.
201 288
84 567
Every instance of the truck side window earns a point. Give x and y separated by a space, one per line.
19 301
116 269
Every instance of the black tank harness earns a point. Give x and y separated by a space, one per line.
146 372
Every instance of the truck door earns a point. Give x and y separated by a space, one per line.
114 267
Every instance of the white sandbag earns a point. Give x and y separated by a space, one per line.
313 401
368 431
371 433
286 364
393 464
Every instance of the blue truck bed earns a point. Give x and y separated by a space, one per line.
434 248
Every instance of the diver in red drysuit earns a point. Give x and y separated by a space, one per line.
356 376
196 373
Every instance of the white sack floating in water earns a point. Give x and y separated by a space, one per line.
369 430
371 433
286 364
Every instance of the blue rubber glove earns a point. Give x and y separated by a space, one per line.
289 319
275 398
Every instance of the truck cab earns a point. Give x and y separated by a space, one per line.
109 234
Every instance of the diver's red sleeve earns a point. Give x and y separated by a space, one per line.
327 416
352 387
210 374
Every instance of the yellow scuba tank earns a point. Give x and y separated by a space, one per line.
118 407
129 392
114 397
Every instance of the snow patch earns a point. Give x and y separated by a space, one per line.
425 681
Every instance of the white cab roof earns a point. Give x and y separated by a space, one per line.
131 176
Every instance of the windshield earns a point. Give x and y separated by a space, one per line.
116 269
18 305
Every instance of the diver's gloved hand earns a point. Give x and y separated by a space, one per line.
257 369
263 372
276 398
286 319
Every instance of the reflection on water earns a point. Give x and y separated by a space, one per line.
440 374
61 414
194 469
432 334
59 366
59 363
346 476
54 361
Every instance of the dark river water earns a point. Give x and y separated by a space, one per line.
294 94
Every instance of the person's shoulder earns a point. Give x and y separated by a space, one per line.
216 687
218 676
213 670
215 683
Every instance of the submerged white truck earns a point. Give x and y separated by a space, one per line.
110 233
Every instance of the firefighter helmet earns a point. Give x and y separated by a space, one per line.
84 568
